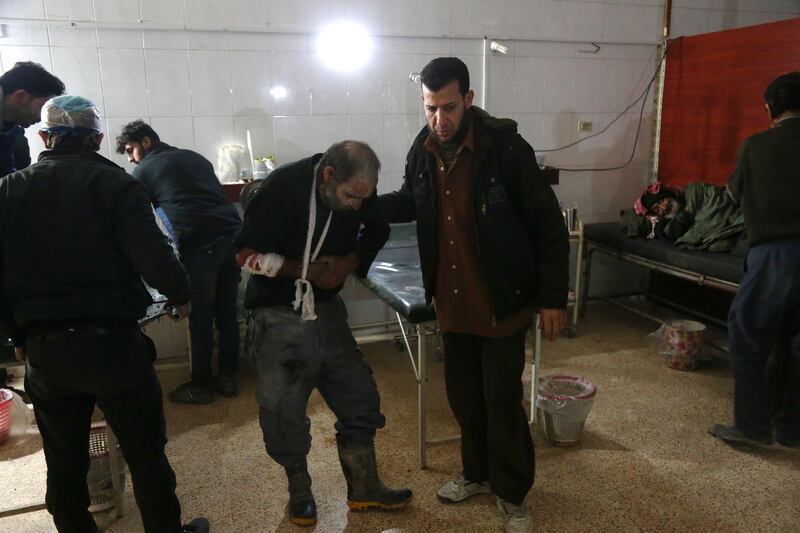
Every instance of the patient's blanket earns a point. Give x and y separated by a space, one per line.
708 219
715 216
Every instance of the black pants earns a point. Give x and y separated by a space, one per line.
68 372
295 356
215 284
483 377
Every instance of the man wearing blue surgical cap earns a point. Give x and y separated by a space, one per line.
77 237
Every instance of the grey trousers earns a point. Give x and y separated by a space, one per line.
295 356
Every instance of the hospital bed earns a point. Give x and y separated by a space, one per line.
395 277
716 270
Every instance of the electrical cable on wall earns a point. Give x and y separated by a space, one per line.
643 99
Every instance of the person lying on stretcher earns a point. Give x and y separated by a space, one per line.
700 217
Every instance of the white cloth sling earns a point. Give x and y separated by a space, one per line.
303 291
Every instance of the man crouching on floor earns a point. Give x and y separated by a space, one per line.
299 334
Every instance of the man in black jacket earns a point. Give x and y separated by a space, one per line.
77 236
182 183
300 339
493 249
24 88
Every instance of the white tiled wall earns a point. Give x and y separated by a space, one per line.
200 71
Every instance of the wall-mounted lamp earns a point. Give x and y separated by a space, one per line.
278 92
498 48
414 77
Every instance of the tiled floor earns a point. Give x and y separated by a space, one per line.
645 463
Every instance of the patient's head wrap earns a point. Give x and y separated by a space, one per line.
653 194
70 115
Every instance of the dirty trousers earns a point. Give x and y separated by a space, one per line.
295 356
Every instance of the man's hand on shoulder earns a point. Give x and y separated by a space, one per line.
338 268
552 322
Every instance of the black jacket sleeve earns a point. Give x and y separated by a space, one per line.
265 220
541 215
735 185
7 322
374 234
398 206
144 245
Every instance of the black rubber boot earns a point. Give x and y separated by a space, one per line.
365 490
302 507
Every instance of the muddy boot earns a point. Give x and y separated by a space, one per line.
302 508
365 490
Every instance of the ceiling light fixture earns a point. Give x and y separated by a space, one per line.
344 46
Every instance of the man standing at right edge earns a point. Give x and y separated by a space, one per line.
766 308
494 249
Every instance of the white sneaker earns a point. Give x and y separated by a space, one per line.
518 517
460 489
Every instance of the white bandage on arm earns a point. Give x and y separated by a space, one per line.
263 264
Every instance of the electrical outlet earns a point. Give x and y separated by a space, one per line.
585 125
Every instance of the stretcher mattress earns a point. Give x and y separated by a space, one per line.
395 276
722 266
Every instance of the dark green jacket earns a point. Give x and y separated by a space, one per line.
714 216
523 245
766 183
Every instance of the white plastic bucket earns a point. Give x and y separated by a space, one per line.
565 402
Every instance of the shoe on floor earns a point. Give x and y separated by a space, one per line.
302 507
518 518
192 393
460 488
733 436
198 525
365 490
788 443
226 386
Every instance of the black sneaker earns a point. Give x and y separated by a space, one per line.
788 443
198 525
226 386
733 436
192 393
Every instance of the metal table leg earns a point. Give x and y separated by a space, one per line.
421 374
577 305
537 353
422 389
116 466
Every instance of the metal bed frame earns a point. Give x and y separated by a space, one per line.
654 265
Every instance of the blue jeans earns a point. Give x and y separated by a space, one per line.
295 356
215 282
766 311
67 373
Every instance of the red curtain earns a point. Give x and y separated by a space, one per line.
713 96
